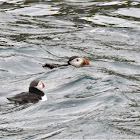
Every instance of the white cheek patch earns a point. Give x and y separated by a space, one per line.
39 86
44 98
76 63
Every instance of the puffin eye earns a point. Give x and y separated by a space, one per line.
77 59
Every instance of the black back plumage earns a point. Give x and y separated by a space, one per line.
51 66
32 96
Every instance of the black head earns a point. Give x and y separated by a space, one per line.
71 58
34 83
78 61
36 86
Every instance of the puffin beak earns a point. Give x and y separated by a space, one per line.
85 61
43 84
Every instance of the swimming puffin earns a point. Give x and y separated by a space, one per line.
34 94
74 61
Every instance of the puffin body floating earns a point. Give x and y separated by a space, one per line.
34 94
74 61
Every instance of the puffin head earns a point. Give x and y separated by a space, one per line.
37 84
78 61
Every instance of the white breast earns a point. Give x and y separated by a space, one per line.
44 98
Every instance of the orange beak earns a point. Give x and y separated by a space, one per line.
43 84
86 61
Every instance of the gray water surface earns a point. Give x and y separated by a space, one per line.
99 101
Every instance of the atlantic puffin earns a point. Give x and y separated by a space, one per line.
34 94
74 61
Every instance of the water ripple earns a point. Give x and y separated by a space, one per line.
100 101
